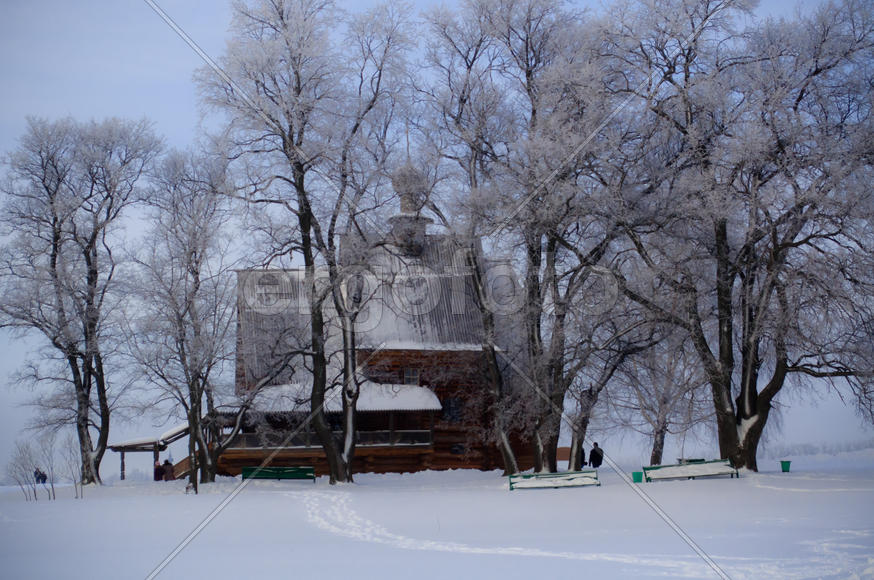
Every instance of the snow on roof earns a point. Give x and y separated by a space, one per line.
282 398
141 442
427 301
372 397
174 432
387 397
161 441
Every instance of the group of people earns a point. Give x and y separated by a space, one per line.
164 472
595 457
39 476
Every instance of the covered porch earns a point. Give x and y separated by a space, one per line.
149 444
395 429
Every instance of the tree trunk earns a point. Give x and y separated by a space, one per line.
750 428
93 363
532 311
317 328
578 437
551 450
350 397
588 398
193 441
546 431
207 463
194 438
83 408
496 391
658 444
349 431
346 314
317 401
204 460
546 434
104 410
720 376
745 456
540 460
208 472
496 381
511 466
213 445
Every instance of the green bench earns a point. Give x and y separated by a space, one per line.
554 480
690 470
279 473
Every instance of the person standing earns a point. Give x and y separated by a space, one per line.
596 456
159 471
168 470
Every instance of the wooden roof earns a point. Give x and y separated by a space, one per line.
409 300
150 443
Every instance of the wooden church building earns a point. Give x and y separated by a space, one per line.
423 373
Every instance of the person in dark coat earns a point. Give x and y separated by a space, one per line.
159 471
596 456
168 470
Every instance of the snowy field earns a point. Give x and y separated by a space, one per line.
815 522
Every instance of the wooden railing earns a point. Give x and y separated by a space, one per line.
407 437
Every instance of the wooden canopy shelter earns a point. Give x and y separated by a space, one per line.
153 444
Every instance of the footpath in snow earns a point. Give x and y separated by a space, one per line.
815 522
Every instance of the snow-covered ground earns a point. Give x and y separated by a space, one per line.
815 522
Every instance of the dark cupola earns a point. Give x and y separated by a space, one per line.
408 227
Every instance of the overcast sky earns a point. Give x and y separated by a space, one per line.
97 59
92 60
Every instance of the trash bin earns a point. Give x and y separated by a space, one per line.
637 476
784 465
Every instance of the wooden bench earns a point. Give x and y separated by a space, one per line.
546 480
279 473
690 470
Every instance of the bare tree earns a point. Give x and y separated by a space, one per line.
465 108
27 463
21 468
519 102
300 111
599 346
661 391
47 458
72 465
561 176
757 238
68 185
181 333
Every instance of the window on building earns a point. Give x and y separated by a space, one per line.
271 290
267 286
411 376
